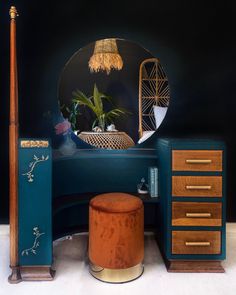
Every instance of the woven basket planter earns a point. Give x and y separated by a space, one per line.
107 140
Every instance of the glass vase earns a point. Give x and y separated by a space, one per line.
68 147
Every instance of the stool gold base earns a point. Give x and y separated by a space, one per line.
109 275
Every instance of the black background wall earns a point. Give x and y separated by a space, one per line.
194 40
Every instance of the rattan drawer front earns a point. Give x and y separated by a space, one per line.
197 160
196 214
196 242
197 186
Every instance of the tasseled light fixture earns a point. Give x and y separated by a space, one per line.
105 57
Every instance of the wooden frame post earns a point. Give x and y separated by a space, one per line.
13 152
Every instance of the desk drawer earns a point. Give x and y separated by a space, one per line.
196 214
196 242
196 160
197 186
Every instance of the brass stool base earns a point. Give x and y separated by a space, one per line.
116 275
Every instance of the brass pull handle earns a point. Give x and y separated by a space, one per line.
198 187
198 214
198 161
203 244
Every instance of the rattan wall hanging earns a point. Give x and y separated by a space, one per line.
153 90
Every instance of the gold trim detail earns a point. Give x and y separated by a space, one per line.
116 275
198 214
198 187
13 12
37 234
197 244
34 143
198 161
32 165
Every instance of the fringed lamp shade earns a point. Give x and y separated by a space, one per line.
105 57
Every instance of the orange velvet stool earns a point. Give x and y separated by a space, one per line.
116 237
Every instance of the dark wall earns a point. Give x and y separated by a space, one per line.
193 39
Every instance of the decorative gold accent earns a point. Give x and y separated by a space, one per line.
105 56
202 244
198 161
198 215
205 187
107 140
116 275
34 143
13 12
32 165
35 245
153 90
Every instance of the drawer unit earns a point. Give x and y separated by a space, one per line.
196 214
192 203
200 186
196 160
196 242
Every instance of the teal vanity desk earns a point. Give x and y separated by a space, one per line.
78 178
188 217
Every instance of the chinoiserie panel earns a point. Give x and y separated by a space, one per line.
35 197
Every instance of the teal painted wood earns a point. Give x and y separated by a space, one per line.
164 149
101 171
35 198
74 218
77 177
164 209
224 202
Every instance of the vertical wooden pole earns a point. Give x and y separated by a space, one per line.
140 114
13 152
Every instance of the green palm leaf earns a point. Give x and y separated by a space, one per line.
95 103
82 99
97 100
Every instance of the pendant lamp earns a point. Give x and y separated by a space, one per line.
105 57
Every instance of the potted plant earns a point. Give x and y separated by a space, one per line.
96 104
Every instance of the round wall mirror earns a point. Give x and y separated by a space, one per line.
114 92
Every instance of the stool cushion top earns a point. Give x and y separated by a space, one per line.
116 203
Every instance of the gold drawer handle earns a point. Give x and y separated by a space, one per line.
198 161
203 244
198 214
198 187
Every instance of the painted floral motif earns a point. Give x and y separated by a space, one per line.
63 127
32 165
35 245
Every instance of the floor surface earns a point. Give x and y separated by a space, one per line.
72 276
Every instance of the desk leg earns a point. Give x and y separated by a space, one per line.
31 273
207 266
194 266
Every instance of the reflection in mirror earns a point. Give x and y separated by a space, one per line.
114 93
154 96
